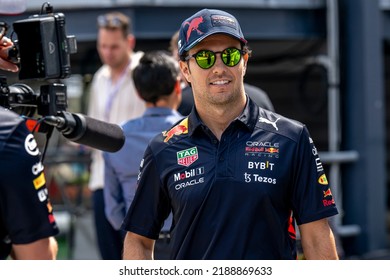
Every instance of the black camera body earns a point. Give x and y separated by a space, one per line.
43 47
23 100
42 50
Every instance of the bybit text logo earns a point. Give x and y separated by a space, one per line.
260 165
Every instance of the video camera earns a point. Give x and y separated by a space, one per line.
43 46
42 51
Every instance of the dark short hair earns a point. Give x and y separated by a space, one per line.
156 75
115 20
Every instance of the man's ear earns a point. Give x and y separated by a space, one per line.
245 57
131 41
185 70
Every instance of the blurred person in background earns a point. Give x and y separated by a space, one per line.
27 224
112 99
157 80
259 96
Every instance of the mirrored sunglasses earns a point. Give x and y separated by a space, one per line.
206 59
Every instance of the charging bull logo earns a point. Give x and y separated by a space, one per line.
327 193
181 128
193 26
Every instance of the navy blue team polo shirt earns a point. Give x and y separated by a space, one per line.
25 210
236 198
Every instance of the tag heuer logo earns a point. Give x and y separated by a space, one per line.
187 157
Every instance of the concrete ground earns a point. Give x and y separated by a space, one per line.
84 246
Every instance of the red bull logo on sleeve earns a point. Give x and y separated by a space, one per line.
181 128
327 193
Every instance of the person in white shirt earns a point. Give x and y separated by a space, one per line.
112 99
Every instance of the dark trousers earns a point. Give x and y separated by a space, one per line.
162 248
110 241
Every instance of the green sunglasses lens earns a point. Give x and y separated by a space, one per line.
205 59
231 57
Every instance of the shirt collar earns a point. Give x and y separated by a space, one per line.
248 117
160 111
